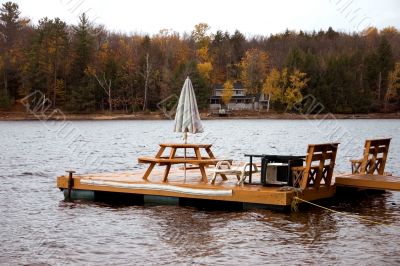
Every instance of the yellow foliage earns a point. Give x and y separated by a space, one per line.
285 87
389 30
271 85
205 69
285 77
394 82
52 50
123 44
60 88
200 35
293 94
370 31
104 53
298 79
254 66
227 92
202 54
105 46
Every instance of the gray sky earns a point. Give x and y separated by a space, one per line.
251 17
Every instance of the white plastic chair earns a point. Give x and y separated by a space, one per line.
241 172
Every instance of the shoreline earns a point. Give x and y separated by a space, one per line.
23 116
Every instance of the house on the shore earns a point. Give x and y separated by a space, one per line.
240 100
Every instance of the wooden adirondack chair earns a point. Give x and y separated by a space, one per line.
318 167
374 158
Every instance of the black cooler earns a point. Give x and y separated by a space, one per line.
275 169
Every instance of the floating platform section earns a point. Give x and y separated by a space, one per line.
376 182
189 188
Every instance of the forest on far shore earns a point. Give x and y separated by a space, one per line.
85 68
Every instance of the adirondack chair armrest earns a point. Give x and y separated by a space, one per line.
297 175
223 163
297 168
356 165
247 166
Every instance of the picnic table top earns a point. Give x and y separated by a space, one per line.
178 160
187 145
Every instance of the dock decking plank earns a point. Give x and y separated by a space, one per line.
379 182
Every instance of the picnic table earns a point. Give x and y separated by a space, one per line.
171 159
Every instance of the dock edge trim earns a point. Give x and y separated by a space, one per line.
169 188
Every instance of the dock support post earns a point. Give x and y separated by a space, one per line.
70 182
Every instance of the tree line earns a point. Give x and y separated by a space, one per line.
85 68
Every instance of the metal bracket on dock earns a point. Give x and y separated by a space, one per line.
70 182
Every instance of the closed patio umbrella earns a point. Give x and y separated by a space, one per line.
187 117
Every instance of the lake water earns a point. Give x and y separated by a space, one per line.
38 227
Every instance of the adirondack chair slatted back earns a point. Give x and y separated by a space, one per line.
375 155
319 165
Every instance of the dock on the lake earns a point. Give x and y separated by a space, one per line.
368 181
313 180
191 188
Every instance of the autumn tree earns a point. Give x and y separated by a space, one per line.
254 67
202 40
297 81
271 86
173 53
285 87
393 92
103 70
127 72
227 92
200 35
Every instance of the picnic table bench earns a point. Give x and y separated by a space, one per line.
168 161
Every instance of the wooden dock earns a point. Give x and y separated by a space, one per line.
368 181
191 188
312 181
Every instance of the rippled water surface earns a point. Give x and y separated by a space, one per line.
38 227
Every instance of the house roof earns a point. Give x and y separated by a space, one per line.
236 86
233 97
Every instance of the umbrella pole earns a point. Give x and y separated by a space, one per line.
184 167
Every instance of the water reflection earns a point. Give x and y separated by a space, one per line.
186 232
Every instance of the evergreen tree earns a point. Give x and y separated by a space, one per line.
10 27
295 59
82 84
385 64
50 53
